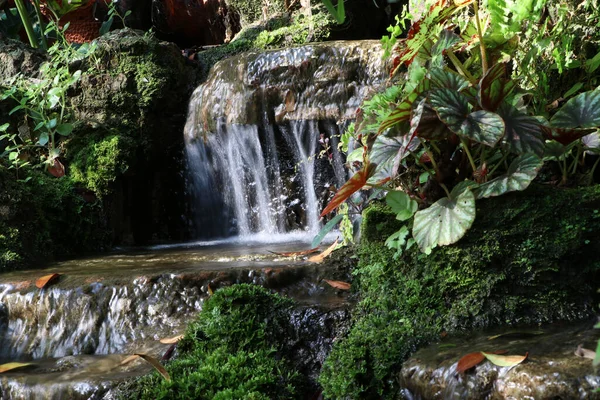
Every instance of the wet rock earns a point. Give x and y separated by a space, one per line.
311 82
552 370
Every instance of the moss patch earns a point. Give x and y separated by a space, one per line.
279 31
45 218
234 350
528 259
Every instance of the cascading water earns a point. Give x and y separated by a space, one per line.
262 136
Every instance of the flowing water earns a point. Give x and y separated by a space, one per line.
78 331
262 136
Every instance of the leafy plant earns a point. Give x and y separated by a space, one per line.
457 128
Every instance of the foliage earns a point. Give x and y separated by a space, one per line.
457 128
232 351
255 10
513 267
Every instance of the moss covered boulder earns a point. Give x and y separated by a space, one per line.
530 258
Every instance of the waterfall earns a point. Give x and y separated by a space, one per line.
262 135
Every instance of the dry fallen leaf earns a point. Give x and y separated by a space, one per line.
338 284
470 360
13 365
171 340
585 353
46 280
151 360
505 361
296 253
320 257
210 291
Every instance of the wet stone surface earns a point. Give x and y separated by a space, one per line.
552 370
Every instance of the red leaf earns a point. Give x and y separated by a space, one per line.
472 359
57 169
353 185
565 136
46 280
469 361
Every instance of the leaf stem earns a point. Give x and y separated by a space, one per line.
499 164
461 68
26 23
38 13
445 190
430 154
466 147
484 64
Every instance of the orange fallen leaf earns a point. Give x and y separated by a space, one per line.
320 257
46 280
209 290
296 253
338 284
151 360
12 365
171 340
470 360
505 361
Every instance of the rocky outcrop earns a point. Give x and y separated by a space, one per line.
552 370
310 82
16 57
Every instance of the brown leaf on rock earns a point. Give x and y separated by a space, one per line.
505 361
296 253
585 353
57 169
150 360
470 360
320 257
338 284
47 280
171 340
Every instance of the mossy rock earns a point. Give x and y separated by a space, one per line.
530 258
233 350
45 217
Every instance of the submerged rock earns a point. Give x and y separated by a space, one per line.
551 371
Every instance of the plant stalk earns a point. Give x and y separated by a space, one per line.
499 164
461 68
484 63
465 145
26 23
38 13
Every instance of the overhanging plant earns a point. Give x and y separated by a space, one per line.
458 130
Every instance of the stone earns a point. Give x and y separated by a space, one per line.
551 371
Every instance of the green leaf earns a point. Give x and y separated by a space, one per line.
64 129
52 123
397 240
452 107
483 127
384 152
430 127
596 361
403 111
582 111
444 222
401 204
43 140
446 40
4 127
504 361
591 143
326 229
555 150
495 87
574 89
441 78
13 155
522 133
521 172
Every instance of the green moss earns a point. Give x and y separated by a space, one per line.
278 31
234 350
253 10
100 161
45 218
528 259
378 221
